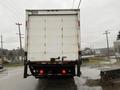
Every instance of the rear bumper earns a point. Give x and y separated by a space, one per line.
52 70
55 76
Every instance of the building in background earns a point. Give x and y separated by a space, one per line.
117 45
104 52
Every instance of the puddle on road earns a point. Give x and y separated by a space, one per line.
89 80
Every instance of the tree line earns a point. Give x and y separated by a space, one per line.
12 56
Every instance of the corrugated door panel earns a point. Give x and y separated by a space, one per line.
52 36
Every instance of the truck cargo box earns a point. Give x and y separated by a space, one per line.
52 33
52 43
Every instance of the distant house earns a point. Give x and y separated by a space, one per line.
117 45
87 51
98 52
104 51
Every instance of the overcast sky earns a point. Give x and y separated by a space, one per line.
96 17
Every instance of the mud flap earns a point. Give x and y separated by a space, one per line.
78 68
25 66
25 70
78 64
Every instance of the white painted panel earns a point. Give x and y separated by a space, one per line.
52 36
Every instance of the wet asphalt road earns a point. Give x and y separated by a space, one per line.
13 80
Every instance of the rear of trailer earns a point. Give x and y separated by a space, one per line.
52 43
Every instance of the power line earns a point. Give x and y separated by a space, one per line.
13 5
12 9
79 3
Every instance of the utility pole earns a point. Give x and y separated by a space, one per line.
19 24
108 54
93 49
2 58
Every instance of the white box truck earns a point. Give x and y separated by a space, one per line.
52 43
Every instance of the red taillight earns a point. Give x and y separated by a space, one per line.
63 72
41 71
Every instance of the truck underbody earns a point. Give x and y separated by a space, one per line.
52 69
